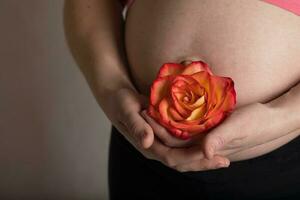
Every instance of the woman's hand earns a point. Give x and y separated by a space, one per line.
167 138
250 131
124 108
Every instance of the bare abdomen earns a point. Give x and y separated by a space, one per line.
254 43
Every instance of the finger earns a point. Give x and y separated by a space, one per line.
216 140
178 156
204 164
139 130
224 141
175 156
211 143
158 151
163 134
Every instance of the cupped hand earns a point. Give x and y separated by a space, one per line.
250 131
192 146
169 139
124 108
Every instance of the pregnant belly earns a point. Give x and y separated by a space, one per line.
254 43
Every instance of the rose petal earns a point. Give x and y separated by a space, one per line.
196 66
159 89
203 79
181 109
175 115
223 93
197 113
170 69
199 102
208 124
188 100
187 127
163 110
181 88
174 131
166 120
184 80
230 100
179 98
190 90
191 95
178 88
199 128
197 89
153 113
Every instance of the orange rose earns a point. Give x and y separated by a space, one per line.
189 100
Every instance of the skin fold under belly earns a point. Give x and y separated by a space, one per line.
254 43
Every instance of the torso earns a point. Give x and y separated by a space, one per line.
254 43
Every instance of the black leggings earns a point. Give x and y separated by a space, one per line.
275 175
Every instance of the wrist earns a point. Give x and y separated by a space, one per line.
105 89
110 97
102 91
107 80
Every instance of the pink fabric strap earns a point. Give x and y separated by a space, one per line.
290 5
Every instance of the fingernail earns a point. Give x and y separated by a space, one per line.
223 164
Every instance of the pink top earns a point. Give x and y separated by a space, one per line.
290 5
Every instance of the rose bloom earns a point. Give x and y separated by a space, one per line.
189 99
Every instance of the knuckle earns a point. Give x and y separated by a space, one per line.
220 140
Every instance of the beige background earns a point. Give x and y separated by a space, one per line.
53 136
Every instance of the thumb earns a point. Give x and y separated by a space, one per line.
147 137
212 143
139 129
